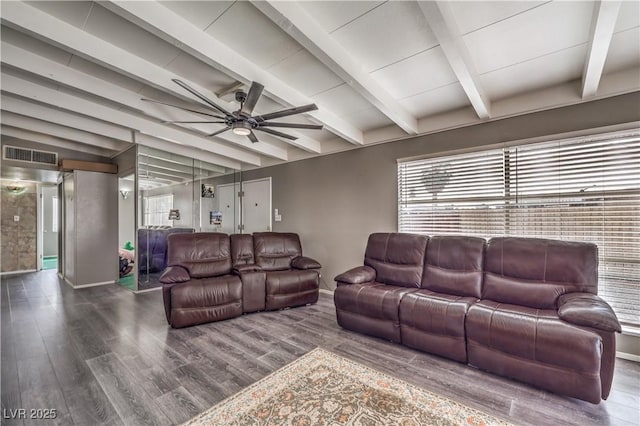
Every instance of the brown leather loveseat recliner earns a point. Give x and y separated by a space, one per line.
214 276
524 308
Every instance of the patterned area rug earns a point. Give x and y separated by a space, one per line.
322 388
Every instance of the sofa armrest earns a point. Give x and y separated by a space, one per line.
174 275
358 275
239 269
302 262
589 310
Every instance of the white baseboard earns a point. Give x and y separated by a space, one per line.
147 290
629 357
24 271
325 291
88 285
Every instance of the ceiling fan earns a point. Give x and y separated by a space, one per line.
241 122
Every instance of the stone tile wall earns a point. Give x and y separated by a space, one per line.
18 239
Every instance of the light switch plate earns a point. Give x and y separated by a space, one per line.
16 218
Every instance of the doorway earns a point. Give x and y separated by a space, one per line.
256 205
245 206
229 207
49 226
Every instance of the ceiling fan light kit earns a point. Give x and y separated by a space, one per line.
241 128
241 122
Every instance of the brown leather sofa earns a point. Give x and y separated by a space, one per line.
214 276
523 308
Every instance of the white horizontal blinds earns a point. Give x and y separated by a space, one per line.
462 194
586 190
578 190
156 210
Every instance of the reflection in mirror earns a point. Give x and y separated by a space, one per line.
126 232
176 194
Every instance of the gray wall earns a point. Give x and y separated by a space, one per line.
91 254
49 238
18 240
69 211
334 202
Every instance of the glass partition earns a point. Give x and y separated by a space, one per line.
178 194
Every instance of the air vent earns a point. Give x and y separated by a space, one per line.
15 153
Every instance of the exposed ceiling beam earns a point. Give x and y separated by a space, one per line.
158 170
295 21
168 167
47 139
82 106
24 115
26 61
167 163
442 22
169 180
67 124
169 26
207 157
605 15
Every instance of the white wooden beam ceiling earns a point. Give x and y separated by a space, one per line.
605 15
295 21
171 27
72 75
43 119
187 151
49 139
82 106
23 60
442 22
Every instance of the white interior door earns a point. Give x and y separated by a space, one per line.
256 205
228 205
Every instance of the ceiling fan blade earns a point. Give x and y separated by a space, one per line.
252 98
200 96
286 112
217 122
219 131
276 133
182 108
292 125
252 137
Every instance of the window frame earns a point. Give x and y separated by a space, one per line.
527 174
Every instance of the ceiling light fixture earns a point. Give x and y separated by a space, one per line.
241 128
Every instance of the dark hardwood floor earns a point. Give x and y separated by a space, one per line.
105 356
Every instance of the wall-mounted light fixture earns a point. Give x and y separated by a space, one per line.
15 189
125 193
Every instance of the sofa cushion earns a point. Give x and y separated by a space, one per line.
535 346
204 300
535 272
588 310
205 254
241 249
397 258
453 265
274 251
370 308
357 275
434 323
291 288
302 262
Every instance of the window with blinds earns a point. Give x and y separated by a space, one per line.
584 189
156 210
